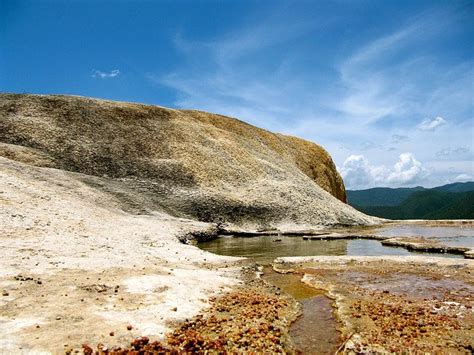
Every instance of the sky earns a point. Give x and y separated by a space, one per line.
387 87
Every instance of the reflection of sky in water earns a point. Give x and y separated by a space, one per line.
264 249
457 241
451 236
373 248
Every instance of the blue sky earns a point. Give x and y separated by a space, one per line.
386 87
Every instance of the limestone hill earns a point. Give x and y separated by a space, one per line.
185 163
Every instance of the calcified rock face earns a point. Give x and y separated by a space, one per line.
185 163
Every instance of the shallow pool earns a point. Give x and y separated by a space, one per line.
459 236
264 249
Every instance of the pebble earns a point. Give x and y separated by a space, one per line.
252 324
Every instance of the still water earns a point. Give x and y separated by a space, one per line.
457 236
264 249
315 332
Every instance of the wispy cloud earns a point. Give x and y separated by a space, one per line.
456 153
244 73
463 178
431 124
105 75
376 95
370 93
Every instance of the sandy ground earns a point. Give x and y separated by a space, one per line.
75 267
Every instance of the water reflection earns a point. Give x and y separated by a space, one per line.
264 249
460 236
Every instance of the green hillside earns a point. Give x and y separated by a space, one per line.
436 203
463 208
457 187
380 196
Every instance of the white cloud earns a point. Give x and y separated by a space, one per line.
406 170
463 178
431 124
104 75
358 173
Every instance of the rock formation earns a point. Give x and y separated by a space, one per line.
185 163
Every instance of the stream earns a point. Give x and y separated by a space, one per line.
315 331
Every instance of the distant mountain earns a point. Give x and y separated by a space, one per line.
457 187
452 201
380 196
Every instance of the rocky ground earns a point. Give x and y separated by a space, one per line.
98 196
396 304
75 267
250 318
78 274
